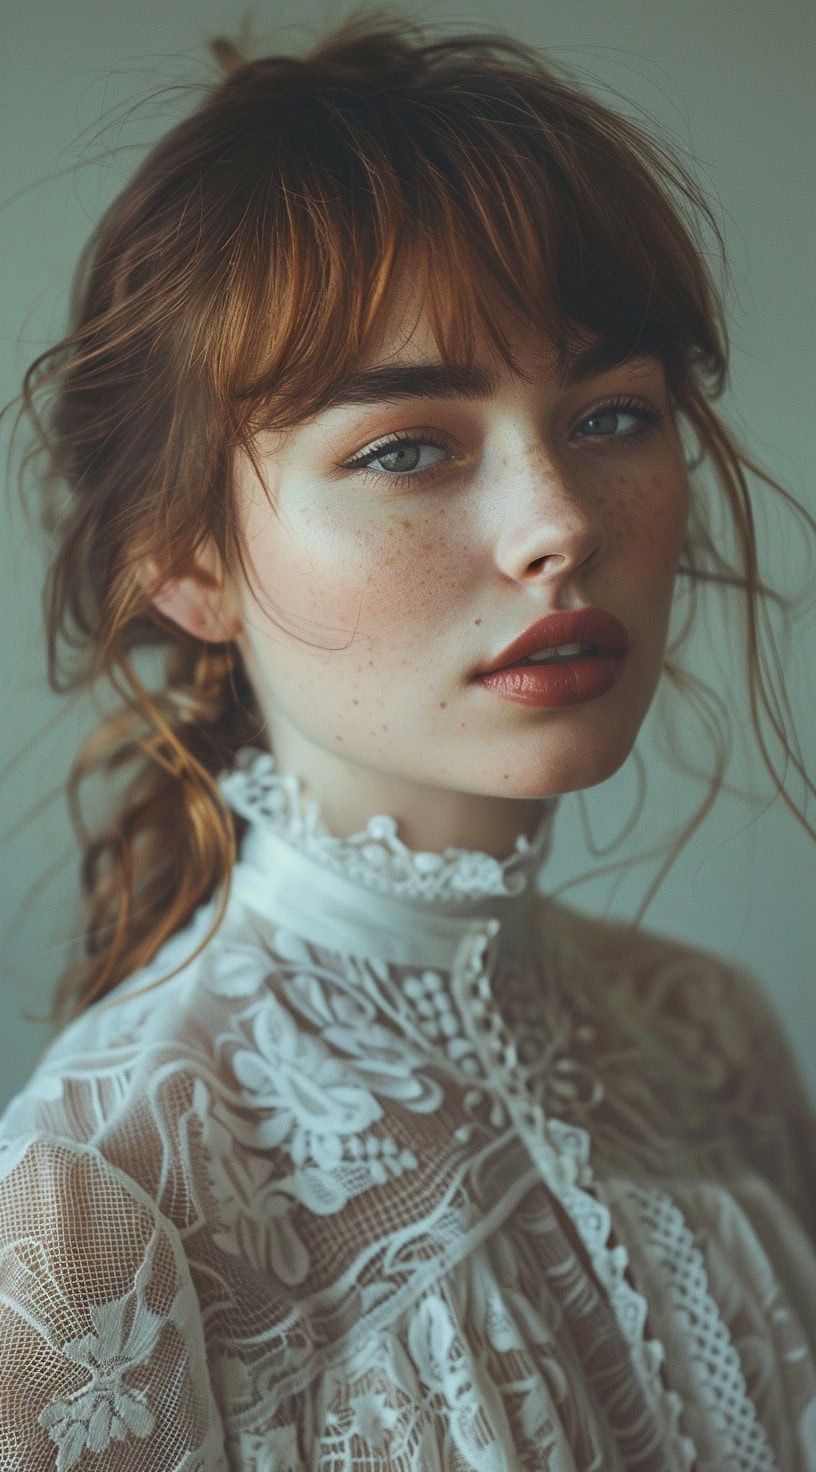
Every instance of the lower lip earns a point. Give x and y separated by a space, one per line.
569 682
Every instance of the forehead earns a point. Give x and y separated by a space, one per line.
406 333
405 359
409 366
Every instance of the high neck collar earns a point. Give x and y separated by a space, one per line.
374 887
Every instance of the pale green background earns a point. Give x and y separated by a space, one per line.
731 81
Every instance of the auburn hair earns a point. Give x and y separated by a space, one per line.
238 275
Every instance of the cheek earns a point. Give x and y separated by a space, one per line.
305 578
412 570
324 579
650 519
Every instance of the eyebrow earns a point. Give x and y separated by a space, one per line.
386 383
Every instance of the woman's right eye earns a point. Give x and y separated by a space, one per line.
400 456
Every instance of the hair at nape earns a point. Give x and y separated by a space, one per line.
239 273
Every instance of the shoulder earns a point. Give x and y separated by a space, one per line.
120 1076
666 975
96 1298
100 1324
103 1193
714 1016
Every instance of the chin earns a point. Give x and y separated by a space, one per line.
587 764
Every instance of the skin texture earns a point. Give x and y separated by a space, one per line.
370 605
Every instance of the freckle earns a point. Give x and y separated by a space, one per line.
337 738
477 620
355 702
443 705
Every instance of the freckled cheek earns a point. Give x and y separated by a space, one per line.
673 499
391 583
412 581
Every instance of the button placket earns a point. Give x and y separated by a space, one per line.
561 1153
505 1073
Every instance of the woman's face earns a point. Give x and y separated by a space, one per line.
378 598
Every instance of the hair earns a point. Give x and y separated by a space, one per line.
238 275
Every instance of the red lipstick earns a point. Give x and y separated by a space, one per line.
581 673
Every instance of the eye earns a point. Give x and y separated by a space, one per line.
400 455
646 417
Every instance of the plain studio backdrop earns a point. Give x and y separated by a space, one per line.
730 84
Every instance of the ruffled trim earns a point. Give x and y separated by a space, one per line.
376 856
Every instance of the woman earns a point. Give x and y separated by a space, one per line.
359 1150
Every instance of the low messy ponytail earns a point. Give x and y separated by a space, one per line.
245 268
172 838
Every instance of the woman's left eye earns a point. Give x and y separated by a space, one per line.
647 417
402 450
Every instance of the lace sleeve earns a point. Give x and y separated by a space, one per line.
714 1016
101 1341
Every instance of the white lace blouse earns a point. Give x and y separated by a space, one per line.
413 1169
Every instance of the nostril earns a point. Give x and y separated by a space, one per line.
539 562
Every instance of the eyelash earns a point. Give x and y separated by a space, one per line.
650 418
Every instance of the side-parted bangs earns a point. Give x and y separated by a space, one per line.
488 197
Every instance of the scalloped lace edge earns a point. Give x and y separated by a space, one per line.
376 855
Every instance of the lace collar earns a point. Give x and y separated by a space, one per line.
376 858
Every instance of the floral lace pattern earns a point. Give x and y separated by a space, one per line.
102 1346
365 1188
107 1409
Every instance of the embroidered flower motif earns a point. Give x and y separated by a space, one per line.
308 1100
313 1094
374 1419
444 1362
106 1409
255 1210
275 1451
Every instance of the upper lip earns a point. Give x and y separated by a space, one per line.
581 626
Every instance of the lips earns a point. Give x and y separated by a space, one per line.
583 626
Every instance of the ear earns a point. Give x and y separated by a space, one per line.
197 602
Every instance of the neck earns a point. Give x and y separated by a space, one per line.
430 819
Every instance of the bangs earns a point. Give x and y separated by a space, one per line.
470 206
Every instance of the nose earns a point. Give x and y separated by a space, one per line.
550 522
